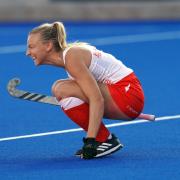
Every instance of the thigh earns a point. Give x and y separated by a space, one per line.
128 95
69 88
111 110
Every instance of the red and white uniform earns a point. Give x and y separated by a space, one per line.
123 85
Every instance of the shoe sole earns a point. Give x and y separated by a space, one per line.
107 152
78 155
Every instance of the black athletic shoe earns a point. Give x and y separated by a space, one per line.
110 146
78 152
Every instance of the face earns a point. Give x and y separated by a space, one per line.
36 49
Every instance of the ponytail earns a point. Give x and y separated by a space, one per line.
61 34
54 32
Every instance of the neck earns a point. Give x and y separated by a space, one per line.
55 59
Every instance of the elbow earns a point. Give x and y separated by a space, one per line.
100 101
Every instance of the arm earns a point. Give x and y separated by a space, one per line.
75 64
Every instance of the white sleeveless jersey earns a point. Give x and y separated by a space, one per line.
104 67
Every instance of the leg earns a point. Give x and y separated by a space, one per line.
112 111
69 88
76 109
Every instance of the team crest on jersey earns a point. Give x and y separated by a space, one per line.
107 81
97 54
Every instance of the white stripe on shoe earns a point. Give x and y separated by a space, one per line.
105 147
106 144
109 151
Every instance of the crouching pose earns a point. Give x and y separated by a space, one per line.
98 86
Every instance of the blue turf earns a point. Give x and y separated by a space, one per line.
152 150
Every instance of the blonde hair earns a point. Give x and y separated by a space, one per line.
54 32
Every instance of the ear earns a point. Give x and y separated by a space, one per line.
49 46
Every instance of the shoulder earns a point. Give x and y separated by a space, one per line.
77 54
77 50
73 51
77 61
71 54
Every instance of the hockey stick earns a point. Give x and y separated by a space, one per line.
21 94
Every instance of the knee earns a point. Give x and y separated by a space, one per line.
57 89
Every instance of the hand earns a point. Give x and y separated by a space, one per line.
89 148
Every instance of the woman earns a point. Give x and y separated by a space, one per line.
98 86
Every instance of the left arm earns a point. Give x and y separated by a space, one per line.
79 70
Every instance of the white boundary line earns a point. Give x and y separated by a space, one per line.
79 129
12 49
147 37
157 36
